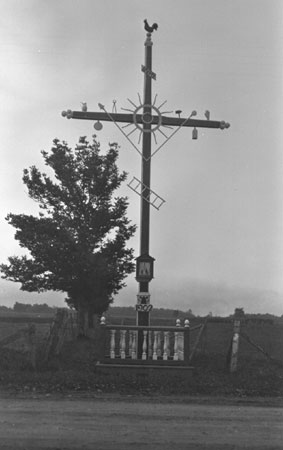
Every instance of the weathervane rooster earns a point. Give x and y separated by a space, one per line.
148 28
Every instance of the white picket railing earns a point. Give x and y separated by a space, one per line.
156 343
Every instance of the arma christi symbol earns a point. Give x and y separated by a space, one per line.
147 114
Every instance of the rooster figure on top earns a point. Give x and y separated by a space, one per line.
148 28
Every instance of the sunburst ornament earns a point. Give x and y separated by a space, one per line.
144 114
146 118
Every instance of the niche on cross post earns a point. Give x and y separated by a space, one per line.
144 274
144 268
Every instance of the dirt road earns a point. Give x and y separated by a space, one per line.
99 423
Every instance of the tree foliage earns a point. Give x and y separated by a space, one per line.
77 243
35 308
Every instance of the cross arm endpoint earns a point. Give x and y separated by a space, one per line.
224 125
68 114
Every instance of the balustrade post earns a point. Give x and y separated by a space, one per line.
123 344
112 344
134 345
144 345
158 343
165 347
168 344
130 343
149 344
155 343
181 345
176 346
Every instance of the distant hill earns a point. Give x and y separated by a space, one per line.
10 293
201 297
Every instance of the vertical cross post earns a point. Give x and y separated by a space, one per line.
143 306
143 314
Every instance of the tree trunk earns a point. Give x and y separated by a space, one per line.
87 322
82 321
93 323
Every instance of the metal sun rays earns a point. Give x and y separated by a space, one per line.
133 131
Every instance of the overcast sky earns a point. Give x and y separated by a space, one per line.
221 225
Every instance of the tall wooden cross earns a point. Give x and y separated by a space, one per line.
147 120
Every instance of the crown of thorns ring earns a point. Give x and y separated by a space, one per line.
147 118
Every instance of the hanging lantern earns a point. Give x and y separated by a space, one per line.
98 126
195 133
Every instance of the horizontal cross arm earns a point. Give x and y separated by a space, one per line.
89 115
129 118
197 123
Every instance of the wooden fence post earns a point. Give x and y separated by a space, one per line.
235 342
57 333
32 344
198 339
187 343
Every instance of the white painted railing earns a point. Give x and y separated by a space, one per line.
147 343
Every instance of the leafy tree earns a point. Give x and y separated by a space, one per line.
190 313
21 307
35 308
77 243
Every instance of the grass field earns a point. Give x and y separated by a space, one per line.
74 368
216 338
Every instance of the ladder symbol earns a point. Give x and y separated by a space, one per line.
146 193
